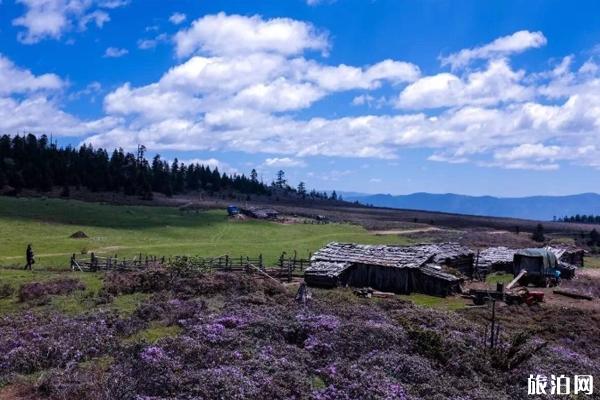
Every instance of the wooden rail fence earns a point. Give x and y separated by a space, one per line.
287 266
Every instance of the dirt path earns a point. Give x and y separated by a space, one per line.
405 231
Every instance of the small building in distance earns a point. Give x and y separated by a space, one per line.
569 254
398 269
232 210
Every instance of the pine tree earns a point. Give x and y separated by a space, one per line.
281 182
538 234
302 189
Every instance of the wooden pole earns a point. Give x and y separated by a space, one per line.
493 323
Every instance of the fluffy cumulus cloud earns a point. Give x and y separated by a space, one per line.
50 19
497 83
235 34
242 82
240 87
501 47
18 80
27 104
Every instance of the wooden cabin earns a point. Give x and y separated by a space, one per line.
395 269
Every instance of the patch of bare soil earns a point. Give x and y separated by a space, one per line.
290 220
404 231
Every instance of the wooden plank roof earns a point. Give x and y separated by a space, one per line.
389 256
327 269
495 255
385 256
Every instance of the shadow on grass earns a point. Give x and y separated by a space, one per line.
73 212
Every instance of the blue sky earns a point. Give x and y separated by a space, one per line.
495 97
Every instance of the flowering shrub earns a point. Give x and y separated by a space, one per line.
228 347
31 342
36 290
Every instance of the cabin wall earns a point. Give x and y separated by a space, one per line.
320 280
397 280
386 279
435 286
465 264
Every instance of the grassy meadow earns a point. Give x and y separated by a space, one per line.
162 231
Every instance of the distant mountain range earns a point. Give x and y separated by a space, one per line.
535 207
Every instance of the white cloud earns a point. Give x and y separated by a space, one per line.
283 162
488 115
38 114
17 80
91 90
98 17
279 95
147 44
223 34
529 151
27 105
45 19
501 47
344 77
212 163
177 18
115 52
110 4
496 84
149 101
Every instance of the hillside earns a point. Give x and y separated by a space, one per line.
163 231
543 208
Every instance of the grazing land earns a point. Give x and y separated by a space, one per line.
167 333
162 231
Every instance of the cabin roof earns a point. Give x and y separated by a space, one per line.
388 256
496 255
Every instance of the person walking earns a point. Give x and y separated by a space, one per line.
30 257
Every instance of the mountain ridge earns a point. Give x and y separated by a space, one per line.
539 207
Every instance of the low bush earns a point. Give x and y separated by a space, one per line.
6 291
39 290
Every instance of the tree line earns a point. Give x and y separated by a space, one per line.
581 219
29 162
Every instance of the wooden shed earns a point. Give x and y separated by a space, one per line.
569 255
494 259
388 268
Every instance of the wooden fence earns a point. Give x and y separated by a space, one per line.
286 268
290 266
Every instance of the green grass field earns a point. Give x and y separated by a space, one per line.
161 231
